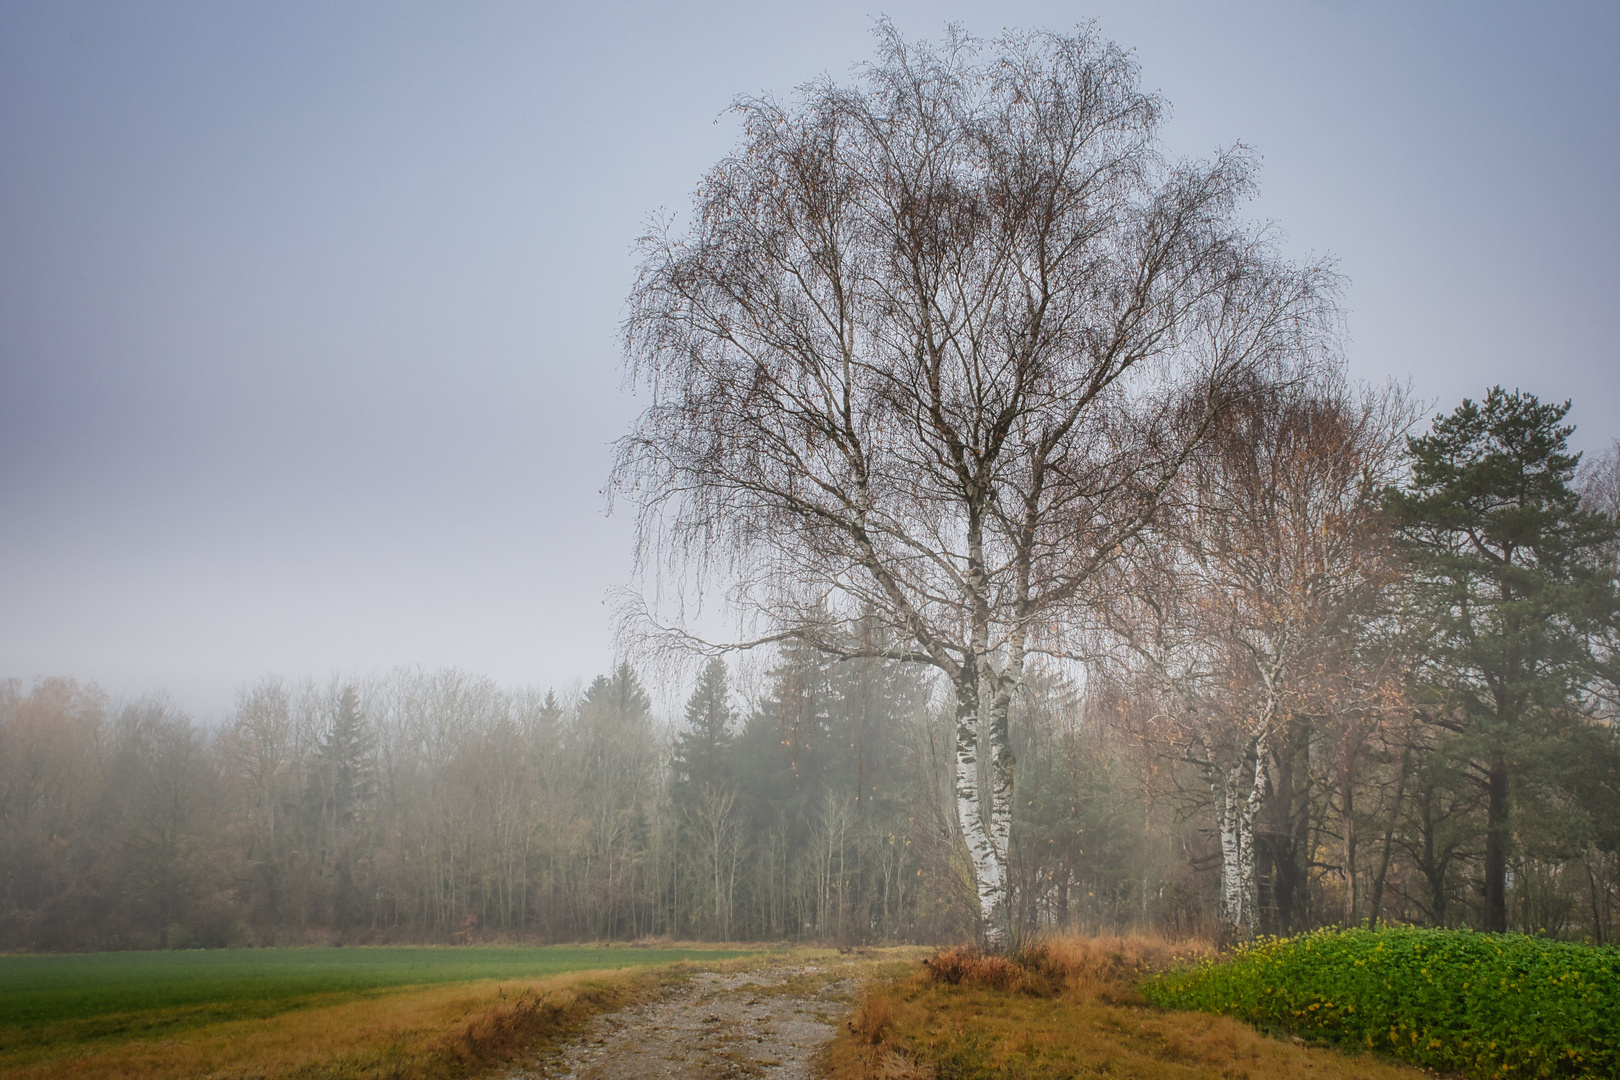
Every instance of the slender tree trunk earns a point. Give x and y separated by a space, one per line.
1001 812
1434 870
1376 914
1496 837
974 815
1597 915
1238 801
1347 801
1281 839
714 853
1231 845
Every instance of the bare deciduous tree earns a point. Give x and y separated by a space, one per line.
931 349
1264 600
714 820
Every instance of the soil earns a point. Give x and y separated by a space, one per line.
767 1024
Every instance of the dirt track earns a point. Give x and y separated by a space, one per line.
766 1024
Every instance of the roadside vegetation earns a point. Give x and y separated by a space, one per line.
1066 1007
401 1012
1484 1005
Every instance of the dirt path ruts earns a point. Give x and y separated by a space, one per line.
765 1024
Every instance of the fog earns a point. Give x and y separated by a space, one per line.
308 314
1122 550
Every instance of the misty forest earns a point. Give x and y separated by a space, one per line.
1195 780
1072 584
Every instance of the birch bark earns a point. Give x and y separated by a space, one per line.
1239 796
984 808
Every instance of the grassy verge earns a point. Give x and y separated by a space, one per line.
314 1013
230 983
1485 1005
1067 1009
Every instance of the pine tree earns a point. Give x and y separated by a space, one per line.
700 758
342 785
1510 585
614 749
345 774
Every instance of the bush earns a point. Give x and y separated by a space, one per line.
1486 1005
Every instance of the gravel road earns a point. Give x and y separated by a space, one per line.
765 1024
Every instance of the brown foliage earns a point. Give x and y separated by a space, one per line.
1063 966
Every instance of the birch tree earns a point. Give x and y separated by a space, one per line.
930 349
1262 603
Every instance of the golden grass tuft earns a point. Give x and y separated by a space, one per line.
1085 967
1074 966
1062 1007
965 964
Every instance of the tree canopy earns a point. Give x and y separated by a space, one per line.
929 351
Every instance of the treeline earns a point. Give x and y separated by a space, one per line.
420 806
1358 676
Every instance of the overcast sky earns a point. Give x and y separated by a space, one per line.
308 311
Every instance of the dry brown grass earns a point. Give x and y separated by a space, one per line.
1075 967
1064 1007
442 1031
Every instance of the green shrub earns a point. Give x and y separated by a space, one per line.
1486 1005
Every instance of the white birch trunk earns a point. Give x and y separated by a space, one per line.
999 778
1000 830
1231 845
979 828
1239 795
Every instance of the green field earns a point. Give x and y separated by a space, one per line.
129 993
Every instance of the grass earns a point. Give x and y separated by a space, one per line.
387 1012
1068 1008
258 982
1484 1005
